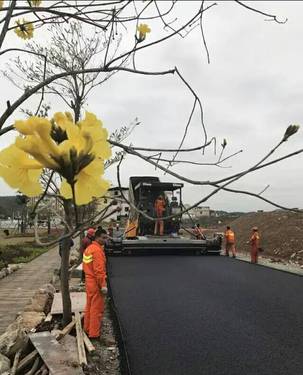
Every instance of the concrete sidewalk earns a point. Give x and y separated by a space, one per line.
17 288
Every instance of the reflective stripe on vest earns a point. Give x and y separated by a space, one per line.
87 259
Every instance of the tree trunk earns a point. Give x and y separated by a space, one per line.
64 276
48 225
22 221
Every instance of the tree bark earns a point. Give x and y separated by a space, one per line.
64 276
48 225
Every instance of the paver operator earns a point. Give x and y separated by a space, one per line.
255 244
94 266
159 210
230 242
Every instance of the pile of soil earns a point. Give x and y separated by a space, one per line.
281 234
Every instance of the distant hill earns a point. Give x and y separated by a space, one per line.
281 233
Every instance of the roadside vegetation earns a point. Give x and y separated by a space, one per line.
19 253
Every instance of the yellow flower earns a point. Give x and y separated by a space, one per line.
75 151
20 171
143 30
94 127
24 29
89 184
37 141
35 3
83 152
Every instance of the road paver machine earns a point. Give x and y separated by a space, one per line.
139 234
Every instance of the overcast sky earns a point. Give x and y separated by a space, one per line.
251 91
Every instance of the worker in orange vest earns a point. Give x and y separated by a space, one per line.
255 244
230 242
159 210
94 266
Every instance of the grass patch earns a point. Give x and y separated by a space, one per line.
20 253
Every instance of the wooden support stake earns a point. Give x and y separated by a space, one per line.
66 330
16 361
80 342
89 346
34 368
26 360
42 371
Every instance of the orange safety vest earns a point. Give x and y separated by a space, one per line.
254 240
159 205
230 236
94 263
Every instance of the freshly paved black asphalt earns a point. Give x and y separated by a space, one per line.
208 315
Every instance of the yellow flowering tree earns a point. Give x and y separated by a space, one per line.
75 151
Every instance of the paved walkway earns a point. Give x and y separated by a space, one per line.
17 288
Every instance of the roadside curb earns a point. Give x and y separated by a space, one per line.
272 268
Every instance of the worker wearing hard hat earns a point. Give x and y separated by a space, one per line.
230 242
88 239
255 244
94 266
159 210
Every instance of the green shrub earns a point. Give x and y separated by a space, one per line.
21 253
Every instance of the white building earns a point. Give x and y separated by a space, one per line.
200 211
115 194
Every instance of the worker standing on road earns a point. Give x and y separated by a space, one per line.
94 266
159 210
230 242
255 244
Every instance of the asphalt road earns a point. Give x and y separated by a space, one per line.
208 315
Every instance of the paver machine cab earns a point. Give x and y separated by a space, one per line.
139 234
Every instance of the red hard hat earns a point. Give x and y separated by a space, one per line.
91 231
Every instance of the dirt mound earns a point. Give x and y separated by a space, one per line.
281 234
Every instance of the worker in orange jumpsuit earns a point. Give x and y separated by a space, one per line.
94 266
159 210
255 244
230 242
